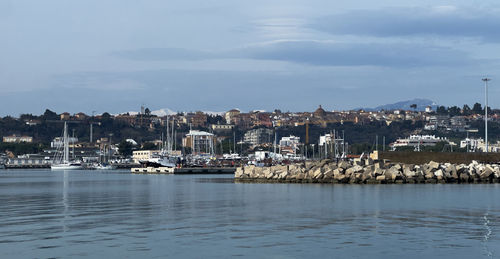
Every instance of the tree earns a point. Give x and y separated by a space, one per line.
414 106
477 108
125 148
441 110
454 111
147 112
149 146
49 115
466 110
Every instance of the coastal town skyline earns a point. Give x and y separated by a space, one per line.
84 56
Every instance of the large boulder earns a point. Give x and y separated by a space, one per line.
337 172
324 162
279 168
340 178
350 171
300 176
366 176
464 177
344 165
328 174
331 166
439 174
283 175
318 174
486 172
433 165
268 173
358 169
239 172
378 172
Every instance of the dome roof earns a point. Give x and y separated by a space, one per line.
320 112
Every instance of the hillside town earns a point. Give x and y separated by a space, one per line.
254 136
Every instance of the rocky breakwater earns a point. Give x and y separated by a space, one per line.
371 172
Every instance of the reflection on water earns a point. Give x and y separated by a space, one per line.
98 214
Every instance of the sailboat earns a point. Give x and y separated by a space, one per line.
103 165
165 157
63 163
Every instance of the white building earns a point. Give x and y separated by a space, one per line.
143 155
326 139
258 136
417 141
200 142
289 145
58 142
478 145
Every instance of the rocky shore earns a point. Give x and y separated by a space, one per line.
367 171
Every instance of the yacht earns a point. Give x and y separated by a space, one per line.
103 166
63 163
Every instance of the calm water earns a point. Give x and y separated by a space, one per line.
117 214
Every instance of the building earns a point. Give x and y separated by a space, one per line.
199 119
458 124
478 145
230 115
141 155
29 160
258 136
441 121
417 141
326 139
289 145
17 139
58 142
472 145
222 127
242 120
81 116
200 142
319 113
65 116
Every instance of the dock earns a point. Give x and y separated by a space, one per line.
184 170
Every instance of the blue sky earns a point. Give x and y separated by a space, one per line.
116 55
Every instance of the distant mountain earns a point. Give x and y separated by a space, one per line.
163 112
166 111
405 105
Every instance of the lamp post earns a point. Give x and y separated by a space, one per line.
485 80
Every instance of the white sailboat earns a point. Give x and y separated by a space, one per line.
164 157
63 163
103 163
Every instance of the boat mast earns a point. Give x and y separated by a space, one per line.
66 144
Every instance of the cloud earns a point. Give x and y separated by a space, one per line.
157 54
321 53
327 53
446 21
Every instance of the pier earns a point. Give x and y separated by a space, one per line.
185 170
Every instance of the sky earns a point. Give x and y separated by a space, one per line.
215 55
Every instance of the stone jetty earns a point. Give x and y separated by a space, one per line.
368 171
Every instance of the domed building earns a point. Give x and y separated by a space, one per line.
319 113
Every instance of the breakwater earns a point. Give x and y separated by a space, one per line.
368 171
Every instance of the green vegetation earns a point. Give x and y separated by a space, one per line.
22 148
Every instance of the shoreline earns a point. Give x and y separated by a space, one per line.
368 171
